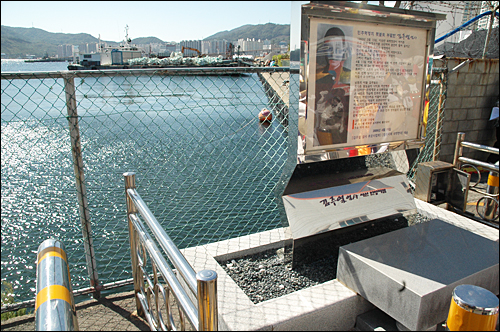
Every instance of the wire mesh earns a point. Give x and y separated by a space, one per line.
468 41
437 98
205 165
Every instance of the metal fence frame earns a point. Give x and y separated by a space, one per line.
429 152
96 286
437 90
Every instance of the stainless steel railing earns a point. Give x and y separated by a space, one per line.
202 315
490 199
54 303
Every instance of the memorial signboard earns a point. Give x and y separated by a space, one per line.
363 75
363 72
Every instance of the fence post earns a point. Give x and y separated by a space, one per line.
488 35
439 122
458 150
133 238
207 300
81 191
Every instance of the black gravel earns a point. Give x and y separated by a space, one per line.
269 274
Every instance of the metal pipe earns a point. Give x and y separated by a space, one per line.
462 26
81 191
131 209
480 147
165 241
487 166
54 303
458 149
144 71
208 315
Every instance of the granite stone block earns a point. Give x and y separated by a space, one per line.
410 273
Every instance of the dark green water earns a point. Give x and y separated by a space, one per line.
205 166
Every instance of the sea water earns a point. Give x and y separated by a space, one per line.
205 166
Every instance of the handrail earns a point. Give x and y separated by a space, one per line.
54 302
480 147
144 71
458 159
202 315
179 293
490 197
175 256
488 166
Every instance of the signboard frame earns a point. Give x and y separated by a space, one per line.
340 119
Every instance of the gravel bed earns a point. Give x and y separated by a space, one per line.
269 274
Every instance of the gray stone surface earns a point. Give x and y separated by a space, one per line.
415 269
375 320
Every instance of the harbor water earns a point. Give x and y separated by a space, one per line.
205 166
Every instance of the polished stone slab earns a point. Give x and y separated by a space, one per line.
410 273
331 201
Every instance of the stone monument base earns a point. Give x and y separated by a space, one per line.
410 273
329 306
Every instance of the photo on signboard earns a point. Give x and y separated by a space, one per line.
332 84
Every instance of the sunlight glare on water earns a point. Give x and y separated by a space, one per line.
205 167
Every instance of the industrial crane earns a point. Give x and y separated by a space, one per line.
189 48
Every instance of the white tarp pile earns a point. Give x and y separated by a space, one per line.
176 58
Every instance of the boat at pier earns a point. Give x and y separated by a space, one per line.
127 56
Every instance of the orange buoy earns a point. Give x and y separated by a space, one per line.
265 115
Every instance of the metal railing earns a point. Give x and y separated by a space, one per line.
54 305
202 315
487 205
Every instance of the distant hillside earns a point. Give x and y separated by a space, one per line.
271 31
17 42
146 40
21 41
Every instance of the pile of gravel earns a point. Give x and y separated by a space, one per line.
269 274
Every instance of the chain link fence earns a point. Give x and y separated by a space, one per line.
205 165
436 97
463 40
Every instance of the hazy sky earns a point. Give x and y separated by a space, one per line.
167 20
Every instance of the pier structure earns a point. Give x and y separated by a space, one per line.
276 86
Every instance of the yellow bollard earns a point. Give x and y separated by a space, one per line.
472 309
54 302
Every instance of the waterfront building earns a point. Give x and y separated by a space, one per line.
214 47
66 50
251 46
484 22
88 48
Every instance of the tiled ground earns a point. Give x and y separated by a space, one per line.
115 312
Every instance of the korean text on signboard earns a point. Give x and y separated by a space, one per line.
365 83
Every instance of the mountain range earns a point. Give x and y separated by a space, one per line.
17 42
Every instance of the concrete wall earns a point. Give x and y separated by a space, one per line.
472 92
